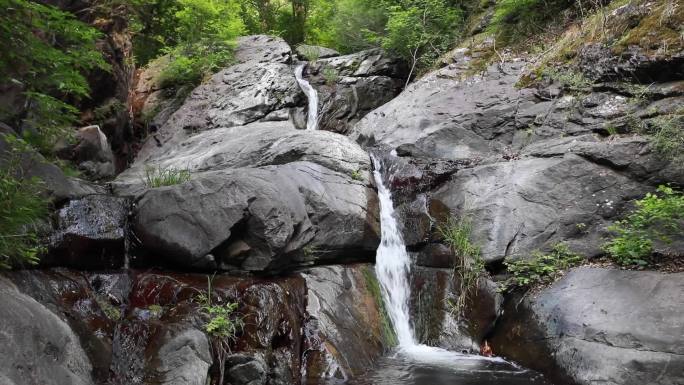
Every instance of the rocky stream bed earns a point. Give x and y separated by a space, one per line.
287 222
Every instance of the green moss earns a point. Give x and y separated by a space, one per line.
659 31
373 287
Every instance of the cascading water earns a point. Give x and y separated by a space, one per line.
393 265
312 96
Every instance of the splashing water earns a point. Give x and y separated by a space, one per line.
312 95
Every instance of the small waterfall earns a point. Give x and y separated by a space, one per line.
393 265
311 94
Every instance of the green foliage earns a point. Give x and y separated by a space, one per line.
516 20
310 251
356 175
310 53
161 176
46 51
155 310
541 268
657 216
223 324
21 209
198 36
421 30
348 25
469 265
331 77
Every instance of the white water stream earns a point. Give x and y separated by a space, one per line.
392 267
311 94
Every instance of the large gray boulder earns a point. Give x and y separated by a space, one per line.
261 197
183 358
600 326
259 219
36 346
447 117
254 145
570 190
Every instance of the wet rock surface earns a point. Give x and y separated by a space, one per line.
271 218
149 327
530 170
600 326
90 233
347 329
437 322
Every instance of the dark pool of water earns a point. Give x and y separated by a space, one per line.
439 367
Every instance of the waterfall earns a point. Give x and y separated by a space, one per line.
393 265
311 94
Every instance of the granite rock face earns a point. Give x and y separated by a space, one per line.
351 86
600 325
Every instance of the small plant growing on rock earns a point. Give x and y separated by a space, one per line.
541 268
469 265
310 53
356 175
310 251
222 324
569 79
160 176
330 75
667 136
658 216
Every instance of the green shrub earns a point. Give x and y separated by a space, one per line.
161 176
657 216
46 52
22 207
310 53
223 324
356 175
541 268
192 64
201 37
469 265
421 30
330 75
